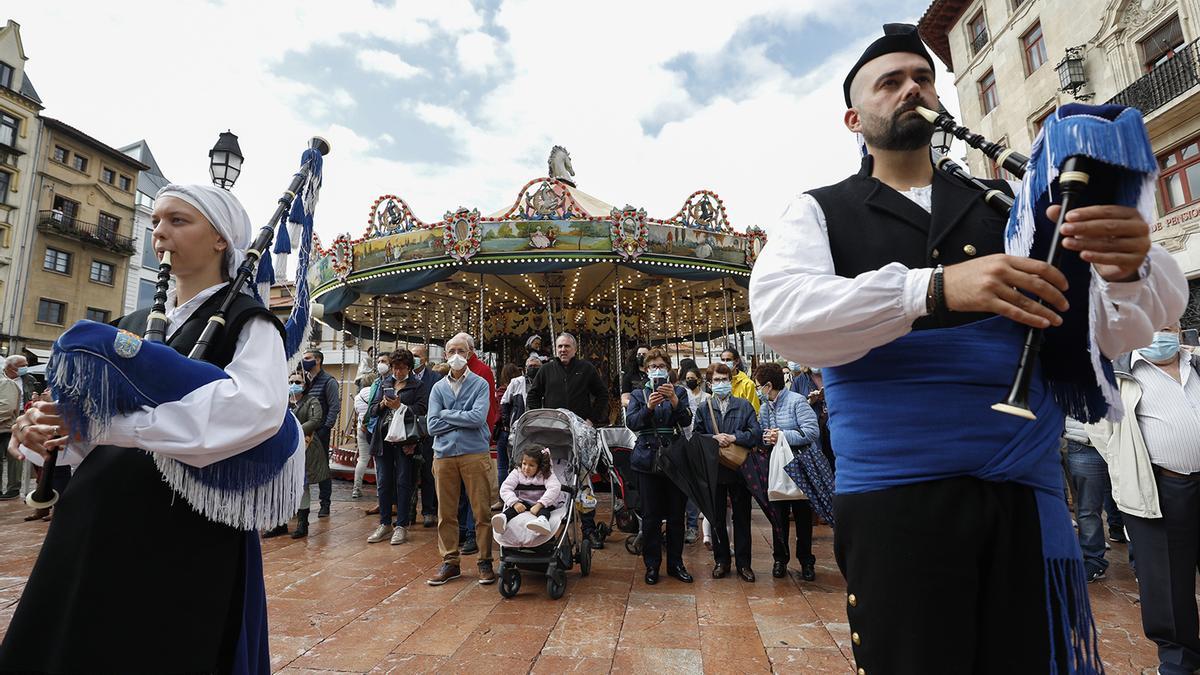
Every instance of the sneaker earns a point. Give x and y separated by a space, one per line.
399 535
540 525
469 547
382 532
428 520
487 575
1117 535
690 536
10 494
1095 575
445 573
499 523
356 493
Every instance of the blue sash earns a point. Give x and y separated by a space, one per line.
918 410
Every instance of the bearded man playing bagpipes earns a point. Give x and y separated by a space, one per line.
915 297
152 563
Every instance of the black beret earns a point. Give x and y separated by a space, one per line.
897 37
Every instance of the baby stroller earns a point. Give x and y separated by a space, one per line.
574 454
626 514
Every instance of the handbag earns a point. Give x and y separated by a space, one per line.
780 486
731 456
402 427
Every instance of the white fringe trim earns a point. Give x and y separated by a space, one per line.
260 508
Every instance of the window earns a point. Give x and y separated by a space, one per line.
1161 45
6 75
67 208
8 130
1034 47
1041 121
987 92
98 315
102 272
108 175
977 32
51 311
61 154
57 261
125 183
5 183
145 293
1179 182
80 163
148 257
108 224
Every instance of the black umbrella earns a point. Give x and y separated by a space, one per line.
692 465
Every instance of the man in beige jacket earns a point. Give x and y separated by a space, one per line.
10 407
1153 457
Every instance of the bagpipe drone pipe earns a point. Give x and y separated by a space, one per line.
97 372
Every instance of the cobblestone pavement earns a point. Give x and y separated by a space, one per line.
339 604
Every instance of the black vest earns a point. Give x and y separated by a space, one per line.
871 225
124 554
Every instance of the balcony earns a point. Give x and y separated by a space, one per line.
979 41
89 233
1168 81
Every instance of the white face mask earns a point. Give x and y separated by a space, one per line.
382 368
456 362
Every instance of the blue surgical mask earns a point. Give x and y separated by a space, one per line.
1164 347
793 366
732 365
656 372
22 371
309 364
762 394
722 389
295 389
417 363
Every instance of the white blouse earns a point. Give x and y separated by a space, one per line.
811 315
220 419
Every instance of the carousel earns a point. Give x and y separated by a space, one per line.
556 259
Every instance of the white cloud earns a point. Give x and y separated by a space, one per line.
478 53
386 63
342 98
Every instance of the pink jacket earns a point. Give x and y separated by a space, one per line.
519 487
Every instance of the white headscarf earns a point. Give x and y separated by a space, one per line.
223 210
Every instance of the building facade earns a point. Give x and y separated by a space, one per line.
20 133
143 267
1006 56
80 240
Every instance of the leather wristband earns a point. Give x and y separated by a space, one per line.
935 297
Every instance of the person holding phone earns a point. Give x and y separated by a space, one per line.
657 413
394 465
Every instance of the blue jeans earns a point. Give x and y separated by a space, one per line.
1089 477
465 517
394 478
502 456
692 514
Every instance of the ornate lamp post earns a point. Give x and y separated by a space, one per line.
225 160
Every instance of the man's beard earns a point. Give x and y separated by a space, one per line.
900 133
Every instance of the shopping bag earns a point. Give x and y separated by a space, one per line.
780 485
403 426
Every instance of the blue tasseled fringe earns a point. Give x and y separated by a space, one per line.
91 390
303 207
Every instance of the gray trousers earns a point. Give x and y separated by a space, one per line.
1168 551
12 480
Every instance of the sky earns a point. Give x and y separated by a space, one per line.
456 103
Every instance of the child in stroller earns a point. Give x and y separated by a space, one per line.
532 487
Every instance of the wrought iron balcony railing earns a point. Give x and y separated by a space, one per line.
68 226
1169 80
979 41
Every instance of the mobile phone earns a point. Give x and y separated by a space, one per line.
1190 337
656 382
389 392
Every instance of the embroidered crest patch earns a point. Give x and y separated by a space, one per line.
126 344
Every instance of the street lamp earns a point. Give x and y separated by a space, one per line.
225 160
1071 77
941 140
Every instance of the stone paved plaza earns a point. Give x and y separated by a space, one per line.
338 604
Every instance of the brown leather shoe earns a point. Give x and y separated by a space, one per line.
487 575
720 570
746 574
445 573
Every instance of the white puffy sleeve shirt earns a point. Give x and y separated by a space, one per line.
808 314
220 419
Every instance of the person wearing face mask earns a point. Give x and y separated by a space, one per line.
429 502
785 412
395 469
743 386
10 407
363 400
657 413
730 420
634 377
313 363
801 381
1153 457
306 405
